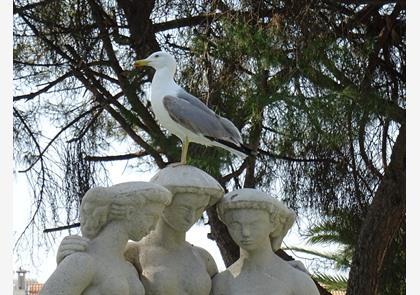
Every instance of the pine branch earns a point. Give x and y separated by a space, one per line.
312 252
116 157
48 230
22 9
43 90
57 135
43 175
291 159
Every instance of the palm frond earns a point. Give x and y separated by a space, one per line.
329 256
342 259
331 282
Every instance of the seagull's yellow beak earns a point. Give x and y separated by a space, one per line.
141 63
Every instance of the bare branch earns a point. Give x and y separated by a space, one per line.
45 89
43 175
292 159
139 154
57 135
101 95
100 15
384 143
19 62
48 230
362 148
210 17
30 6
353 165
185 22
234 173
86 128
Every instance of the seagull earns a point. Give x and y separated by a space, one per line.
186 116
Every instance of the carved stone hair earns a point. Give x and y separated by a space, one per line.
189 179
98 203
281 216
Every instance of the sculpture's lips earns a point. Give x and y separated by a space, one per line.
246 242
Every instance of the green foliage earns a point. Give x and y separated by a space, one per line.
341 228
331 282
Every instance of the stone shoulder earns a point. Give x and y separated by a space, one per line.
303 282
207 259
72 275
220 282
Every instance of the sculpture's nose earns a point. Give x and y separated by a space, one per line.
245 231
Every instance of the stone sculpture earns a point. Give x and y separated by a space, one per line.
167 264
170 265
109 218
258 223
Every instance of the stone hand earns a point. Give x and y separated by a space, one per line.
119 210
70 245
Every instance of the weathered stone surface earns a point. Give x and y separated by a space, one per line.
170 265
258 223
165 262
109 218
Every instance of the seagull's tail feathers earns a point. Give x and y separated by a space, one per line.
241 150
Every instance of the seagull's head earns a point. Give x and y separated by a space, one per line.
158 60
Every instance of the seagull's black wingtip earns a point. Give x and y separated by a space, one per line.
246 150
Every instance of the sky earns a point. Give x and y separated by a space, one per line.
6 146
6 177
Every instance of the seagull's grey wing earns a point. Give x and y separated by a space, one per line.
234 133
195 119
182 94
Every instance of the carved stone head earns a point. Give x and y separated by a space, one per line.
193 192
139 203
256 214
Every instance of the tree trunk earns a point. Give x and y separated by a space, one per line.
385 216
140 26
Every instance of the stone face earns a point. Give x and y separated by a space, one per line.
109 218
252 198
257 223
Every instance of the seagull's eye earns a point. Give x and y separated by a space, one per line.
157 55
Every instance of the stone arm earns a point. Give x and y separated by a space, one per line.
298 265
131 254
70 245
304 284
71 277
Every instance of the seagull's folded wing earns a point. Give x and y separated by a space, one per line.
199 120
